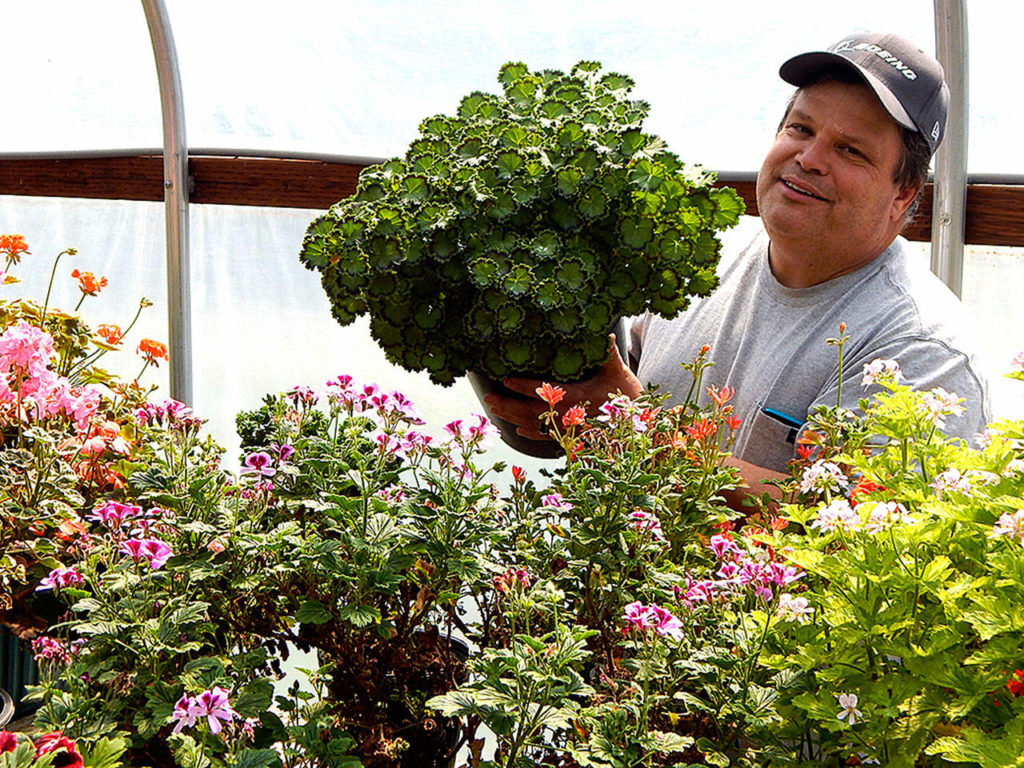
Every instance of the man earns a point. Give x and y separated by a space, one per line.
835 189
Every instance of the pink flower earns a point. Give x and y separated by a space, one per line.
214 705
259 463
555 501
880 369
25 347
59 578
157 553
937 404
642 520
722 545
643 617
185 713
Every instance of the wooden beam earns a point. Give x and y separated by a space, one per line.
995 213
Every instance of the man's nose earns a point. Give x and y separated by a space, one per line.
813 156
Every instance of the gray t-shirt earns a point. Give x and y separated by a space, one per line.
769 343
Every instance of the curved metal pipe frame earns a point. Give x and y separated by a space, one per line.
175 153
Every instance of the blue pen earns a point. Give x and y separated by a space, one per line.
784 418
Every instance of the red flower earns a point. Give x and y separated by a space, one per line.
67 751
863 488
550 394
733 422
8 741
1015 685
152 351
518 474
88 283
804 451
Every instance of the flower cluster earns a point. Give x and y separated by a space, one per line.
60 751
640 617
212 704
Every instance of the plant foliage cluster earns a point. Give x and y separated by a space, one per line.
512 235
610 613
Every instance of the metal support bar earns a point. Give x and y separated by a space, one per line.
949 200
179 312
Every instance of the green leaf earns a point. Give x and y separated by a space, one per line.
359 615
312 612
636 233
255 758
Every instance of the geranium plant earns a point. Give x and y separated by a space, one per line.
513 235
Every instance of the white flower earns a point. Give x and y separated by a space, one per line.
838 514
879 368
822 476
883 514
848 708
952 480
1017 364
794 608
937 404
1015 465
1011 525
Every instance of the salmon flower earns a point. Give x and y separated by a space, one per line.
88 283
574 416
152 351
721 396
550 394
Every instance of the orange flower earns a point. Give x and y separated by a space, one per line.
550 394
13 246
1015 685
88 283
702 429
152 351
109 333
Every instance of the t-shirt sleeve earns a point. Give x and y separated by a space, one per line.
924 364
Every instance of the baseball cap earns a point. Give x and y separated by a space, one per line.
909 83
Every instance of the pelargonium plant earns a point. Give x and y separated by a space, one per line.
512 235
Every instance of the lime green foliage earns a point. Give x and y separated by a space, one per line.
511 236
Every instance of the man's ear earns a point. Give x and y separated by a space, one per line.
905 197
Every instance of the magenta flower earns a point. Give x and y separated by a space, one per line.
157 553
259 463
114 514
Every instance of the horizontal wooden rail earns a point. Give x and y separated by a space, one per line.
995 212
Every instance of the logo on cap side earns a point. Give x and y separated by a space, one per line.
936 129
848 46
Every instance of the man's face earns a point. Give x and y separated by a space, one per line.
826 191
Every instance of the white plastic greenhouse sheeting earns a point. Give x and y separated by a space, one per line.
356 78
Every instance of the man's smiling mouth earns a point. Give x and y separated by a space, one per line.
801 190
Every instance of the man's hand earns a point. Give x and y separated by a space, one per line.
614 376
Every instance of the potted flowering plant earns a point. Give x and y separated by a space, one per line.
512 236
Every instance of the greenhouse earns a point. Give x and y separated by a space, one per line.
503 384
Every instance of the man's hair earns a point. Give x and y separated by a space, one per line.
912 168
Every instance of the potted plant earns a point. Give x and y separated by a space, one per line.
513 235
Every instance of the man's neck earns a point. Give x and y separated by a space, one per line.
803 267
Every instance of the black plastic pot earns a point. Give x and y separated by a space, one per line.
18 669
540 449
